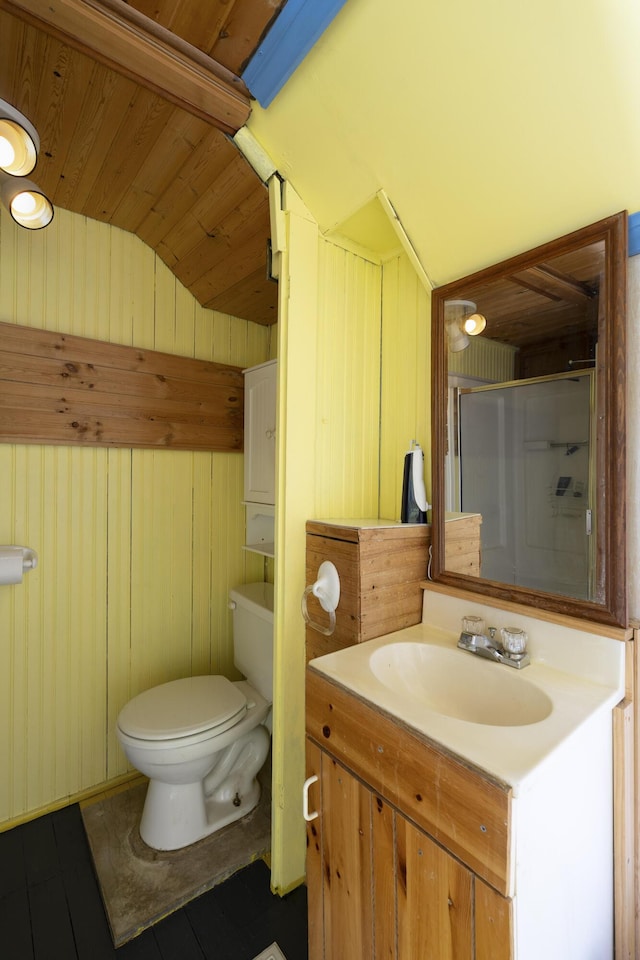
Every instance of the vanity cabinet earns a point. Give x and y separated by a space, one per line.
409 855
260 456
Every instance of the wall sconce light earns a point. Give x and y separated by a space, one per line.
26 202
19 142
19 145
461 322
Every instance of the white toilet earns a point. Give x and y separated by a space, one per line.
203 740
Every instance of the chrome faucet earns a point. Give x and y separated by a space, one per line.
491 648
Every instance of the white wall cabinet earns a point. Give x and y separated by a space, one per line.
260 456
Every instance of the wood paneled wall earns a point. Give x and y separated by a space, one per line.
347 421
57 388
405 387
137 548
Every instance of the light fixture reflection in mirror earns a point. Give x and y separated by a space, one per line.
553 460
462 321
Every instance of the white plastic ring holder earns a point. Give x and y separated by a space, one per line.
326 589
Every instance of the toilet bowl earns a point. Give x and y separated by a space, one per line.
202 740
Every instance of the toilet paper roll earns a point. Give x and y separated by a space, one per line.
14 561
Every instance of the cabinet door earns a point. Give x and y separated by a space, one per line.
260 433
346 846
315 912
339 863
435 899
494 924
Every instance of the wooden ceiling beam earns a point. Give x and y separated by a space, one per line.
114 33
554 285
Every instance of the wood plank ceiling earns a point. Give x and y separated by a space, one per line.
122 145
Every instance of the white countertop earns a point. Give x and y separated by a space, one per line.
513 754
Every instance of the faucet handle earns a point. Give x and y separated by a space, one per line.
473 625
514 641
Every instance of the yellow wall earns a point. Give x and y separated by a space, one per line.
406 378
328 447
491 126
353 367
137 549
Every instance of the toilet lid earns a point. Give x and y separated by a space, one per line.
183 707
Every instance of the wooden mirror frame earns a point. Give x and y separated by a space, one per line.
610 462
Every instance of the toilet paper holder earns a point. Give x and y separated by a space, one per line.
16 561
326 589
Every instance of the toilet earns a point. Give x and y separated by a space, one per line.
202 741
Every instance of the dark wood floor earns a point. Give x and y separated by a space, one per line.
51 909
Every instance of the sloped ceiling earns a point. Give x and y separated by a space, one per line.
492 127
125 147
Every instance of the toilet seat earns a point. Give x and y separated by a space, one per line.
183 708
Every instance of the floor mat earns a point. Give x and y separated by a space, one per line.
271 953
140 885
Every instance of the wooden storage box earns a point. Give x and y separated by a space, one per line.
381 564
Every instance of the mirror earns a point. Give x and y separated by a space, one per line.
528 379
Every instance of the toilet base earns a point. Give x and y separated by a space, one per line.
176 815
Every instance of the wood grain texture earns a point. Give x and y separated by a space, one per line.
142 50
494 924
62 389
315 911
435 900
380 569
125 149
466 811
385 919
347 863
625 824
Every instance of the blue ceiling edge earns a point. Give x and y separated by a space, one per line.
297 27
634 234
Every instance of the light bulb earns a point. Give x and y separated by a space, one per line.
7 153
24 203
29 207
18 150
474 324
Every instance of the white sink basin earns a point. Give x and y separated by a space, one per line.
456 684
506 722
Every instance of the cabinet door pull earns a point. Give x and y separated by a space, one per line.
305 799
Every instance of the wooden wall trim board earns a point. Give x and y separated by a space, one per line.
624 831
61 389
134 45
626 761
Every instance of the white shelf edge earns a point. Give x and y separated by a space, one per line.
266 549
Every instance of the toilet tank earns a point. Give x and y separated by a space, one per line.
252 605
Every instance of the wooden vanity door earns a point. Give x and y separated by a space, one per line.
315 910
378 888
339 863
435 899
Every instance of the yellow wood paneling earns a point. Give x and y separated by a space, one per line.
137 550
295 501
485 359
328 447
406 377
347 420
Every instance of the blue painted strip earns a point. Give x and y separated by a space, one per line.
634 234
298 26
